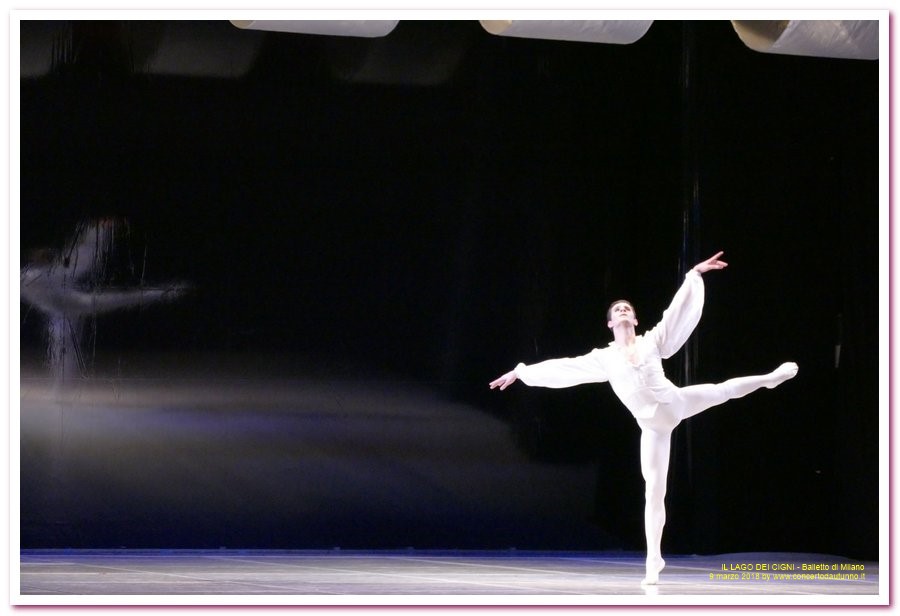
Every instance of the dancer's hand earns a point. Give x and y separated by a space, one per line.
504 381
710 264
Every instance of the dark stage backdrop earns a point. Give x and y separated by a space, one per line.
375 229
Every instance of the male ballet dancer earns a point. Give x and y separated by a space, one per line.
632 365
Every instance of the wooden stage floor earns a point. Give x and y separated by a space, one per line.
241 577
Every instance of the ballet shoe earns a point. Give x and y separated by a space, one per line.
654 566
782 373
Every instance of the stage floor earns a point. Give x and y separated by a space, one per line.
506 577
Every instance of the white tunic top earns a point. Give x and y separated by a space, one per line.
641 385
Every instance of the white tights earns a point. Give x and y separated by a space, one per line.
656 434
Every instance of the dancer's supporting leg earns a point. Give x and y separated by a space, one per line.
655 467
655 447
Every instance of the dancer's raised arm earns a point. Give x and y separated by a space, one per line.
710 264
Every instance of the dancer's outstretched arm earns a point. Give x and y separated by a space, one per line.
105 301
504 381
557 373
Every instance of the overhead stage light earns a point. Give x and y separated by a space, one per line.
616 32
826 39
363 28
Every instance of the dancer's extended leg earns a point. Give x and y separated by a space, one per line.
697 398
655 468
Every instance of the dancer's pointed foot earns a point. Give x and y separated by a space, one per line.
654 566
782 373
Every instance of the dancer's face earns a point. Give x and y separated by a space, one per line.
621 312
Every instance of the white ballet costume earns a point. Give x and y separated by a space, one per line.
657 404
